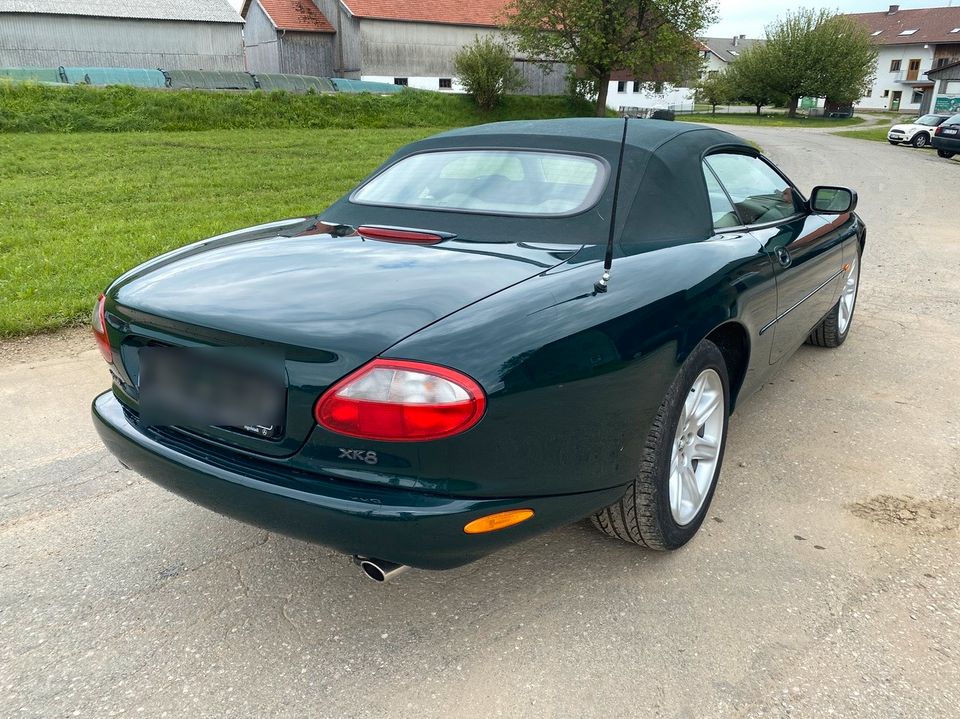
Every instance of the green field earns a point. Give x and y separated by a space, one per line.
770 120
78 108
95 180
80 209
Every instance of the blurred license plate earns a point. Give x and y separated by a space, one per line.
949 131
235 389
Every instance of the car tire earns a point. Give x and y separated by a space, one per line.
650 513
834 328
921 139
945 154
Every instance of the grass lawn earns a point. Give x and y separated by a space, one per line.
79 209
879 134
777 120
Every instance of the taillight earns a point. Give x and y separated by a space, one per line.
401 401
100 329
393 234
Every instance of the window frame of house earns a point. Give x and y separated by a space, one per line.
636 86
913 98
895 65
402 81
445 83
621 86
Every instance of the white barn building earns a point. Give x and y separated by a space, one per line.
174 34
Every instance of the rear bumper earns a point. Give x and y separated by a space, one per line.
950 144
414 528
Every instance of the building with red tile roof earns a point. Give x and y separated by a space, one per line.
910 43
404 42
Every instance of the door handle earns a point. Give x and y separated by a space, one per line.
783 257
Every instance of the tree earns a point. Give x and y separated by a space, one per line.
715 89
653 39
818 53
485 69
750 80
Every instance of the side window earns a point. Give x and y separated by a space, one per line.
758 192
724 215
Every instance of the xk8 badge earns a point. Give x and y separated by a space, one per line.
361 455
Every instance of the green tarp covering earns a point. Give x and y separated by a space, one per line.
31 74
293 83
138 77
344 85
209 80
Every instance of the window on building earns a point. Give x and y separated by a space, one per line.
400 81
622 86
941 61
894 66
446 83
636 86
909 32
917 97
886 93
875 33
956 29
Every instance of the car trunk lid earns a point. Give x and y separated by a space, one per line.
326 303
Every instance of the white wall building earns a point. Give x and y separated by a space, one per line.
910 43
717 53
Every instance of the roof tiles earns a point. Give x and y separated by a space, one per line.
931 25
297 15
486 13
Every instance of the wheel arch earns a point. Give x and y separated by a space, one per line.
734 343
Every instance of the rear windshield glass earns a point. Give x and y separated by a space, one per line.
502 182
929 120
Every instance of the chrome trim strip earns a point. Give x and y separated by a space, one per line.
779 317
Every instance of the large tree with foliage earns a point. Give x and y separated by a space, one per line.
818 53
715 89
749 79
652 39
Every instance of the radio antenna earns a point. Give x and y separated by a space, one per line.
601 284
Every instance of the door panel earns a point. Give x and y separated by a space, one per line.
808 257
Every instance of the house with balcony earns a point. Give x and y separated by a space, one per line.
910 43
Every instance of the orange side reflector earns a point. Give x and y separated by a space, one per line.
500 520
846 267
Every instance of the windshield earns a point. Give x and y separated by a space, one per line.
929 120
501 182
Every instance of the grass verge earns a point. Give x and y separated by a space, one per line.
80 209
878 134
77 108
777 120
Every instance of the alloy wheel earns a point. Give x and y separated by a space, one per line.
696 447
848 298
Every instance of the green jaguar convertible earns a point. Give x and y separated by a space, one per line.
503 329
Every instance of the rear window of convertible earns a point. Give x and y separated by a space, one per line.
502 182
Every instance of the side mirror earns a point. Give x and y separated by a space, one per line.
832 200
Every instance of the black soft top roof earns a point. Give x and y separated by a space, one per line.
663 196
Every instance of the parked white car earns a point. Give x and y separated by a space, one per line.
918 132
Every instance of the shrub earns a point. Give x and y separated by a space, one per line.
485 69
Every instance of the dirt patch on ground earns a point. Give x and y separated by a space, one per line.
924 516
51 345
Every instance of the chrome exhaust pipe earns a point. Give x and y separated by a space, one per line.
380 570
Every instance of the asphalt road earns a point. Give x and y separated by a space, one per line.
824 583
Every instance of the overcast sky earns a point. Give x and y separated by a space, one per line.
749 17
